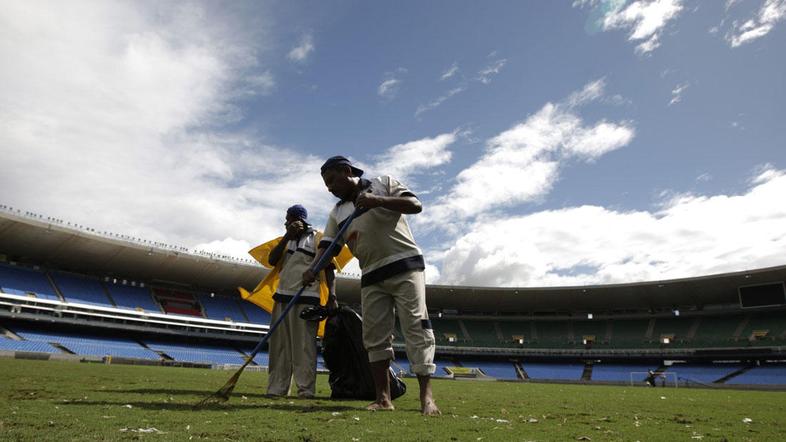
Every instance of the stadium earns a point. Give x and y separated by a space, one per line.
370 221
70 293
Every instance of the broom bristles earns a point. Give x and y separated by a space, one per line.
223 394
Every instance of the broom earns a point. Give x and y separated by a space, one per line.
223 394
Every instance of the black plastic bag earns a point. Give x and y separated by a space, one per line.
347 359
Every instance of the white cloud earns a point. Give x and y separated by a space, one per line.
522 163
117 109
486 74
645 19
301 52
407 159
770 13
391 84
676 93
450 72
439 100
690 236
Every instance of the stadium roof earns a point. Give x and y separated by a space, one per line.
44 241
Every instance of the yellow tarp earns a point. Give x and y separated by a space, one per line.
264 291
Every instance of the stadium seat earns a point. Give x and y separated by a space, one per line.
130 297
221 308
81 289
17 280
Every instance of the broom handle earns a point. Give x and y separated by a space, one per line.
323 260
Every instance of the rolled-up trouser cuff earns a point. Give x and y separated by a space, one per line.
381 355
423 369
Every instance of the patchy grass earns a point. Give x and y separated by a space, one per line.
48 400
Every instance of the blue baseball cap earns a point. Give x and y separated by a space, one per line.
338 160
298 211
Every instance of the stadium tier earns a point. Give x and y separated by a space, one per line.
553 371
133 298
200 353
494 369
481 332
90 345
768 374
27 346
702 373
80 289
620 372
221 308
18 280
255 314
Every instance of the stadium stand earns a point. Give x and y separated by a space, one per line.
221 308
717 330
31 346
766 374
481 332
702 373
445 329
18 280
764 327
629 332
81 289
193 352
553 371
495 369
511 329
133 298
552 334
90 345
177 302
611 372
254 313
594 329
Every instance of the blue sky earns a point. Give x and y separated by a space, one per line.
552 143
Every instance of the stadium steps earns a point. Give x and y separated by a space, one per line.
520 372
464 330
62 348
586 375
650 329
9 334
163 355
499 333
108 294
54 286
741 327
733 375
693 328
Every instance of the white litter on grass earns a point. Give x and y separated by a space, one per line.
532 420
473 417
108 417
663 397
188 427
335 413
502 421
142 430
128 406
747 420
356 418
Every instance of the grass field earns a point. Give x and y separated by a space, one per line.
48 400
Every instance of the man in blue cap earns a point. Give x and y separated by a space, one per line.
392 273
293 347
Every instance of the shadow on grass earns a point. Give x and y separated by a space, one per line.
174 392
304 407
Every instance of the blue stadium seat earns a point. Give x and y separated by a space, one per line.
495 369
703 373
221 308
556 371
19 280
90 345
130 297
31 346
201 353
81 289
771 374
620 372
255 314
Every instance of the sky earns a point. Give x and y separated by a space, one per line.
552 143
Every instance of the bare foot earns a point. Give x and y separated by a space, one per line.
429 408
380 406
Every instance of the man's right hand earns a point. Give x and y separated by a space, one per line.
294 229
309 277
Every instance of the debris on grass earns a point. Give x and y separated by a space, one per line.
142 430
746 420
128 406
583 438
502 421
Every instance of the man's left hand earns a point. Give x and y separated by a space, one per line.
366 200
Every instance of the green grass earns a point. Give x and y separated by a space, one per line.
48 400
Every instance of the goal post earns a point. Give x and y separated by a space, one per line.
664 379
